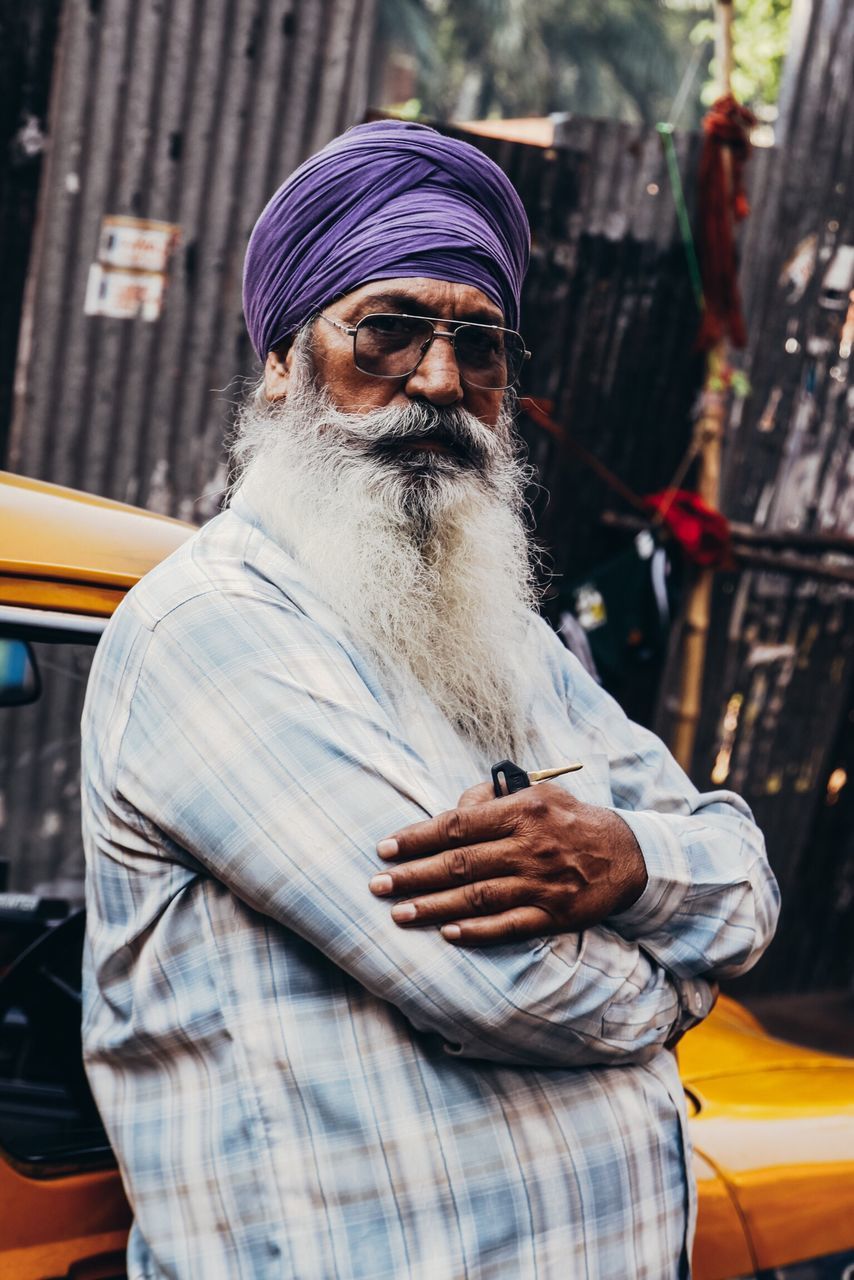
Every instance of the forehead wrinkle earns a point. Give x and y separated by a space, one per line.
406 302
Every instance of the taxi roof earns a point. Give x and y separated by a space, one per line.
53 535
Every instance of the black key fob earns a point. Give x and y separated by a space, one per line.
508 778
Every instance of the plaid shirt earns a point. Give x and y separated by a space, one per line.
296 1087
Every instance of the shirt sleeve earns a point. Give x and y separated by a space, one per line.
254 752
711 902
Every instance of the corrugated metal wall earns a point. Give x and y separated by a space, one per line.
781 643
27 42
127 406
191 112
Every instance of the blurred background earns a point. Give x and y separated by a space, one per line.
140 140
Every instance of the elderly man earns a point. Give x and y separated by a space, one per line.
309 1058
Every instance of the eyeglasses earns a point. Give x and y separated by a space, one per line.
392 346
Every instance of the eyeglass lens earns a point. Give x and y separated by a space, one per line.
390 346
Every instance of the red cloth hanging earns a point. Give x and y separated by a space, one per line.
723 202
702 532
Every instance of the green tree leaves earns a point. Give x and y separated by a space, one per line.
625 59
760 40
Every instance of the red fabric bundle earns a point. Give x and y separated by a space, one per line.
723 202
701 531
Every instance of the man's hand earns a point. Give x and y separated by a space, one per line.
489 871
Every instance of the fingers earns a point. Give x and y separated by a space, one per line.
454 827
447 870
506 926
485 897
478 816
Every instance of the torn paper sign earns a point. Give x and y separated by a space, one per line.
124 295
138 243
128 279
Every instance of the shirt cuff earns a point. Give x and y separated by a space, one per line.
668 872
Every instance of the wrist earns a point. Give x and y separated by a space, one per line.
633 874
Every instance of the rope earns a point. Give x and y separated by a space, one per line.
665 132
536 410
678 476
687 82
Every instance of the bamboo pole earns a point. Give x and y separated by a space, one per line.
723 45
698 608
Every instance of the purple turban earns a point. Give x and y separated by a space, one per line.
382 200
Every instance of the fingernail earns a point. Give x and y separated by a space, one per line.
387 848
403 911
380 885
451 932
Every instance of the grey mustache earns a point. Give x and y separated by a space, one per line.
448 427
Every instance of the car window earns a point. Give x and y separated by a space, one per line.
41 848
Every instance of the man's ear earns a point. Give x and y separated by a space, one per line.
277 372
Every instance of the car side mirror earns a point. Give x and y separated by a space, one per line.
20 682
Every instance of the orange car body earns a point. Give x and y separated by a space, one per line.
772 1123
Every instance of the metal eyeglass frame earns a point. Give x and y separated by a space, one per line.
352 331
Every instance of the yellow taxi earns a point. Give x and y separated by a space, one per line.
772 1123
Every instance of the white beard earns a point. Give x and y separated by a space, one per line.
423 555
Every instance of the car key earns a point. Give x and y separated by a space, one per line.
508 778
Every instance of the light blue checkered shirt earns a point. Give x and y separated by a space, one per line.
294 1086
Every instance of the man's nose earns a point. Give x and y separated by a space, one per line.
437 377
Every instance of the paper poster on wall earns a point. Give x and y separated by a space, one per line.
128 279
124 295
